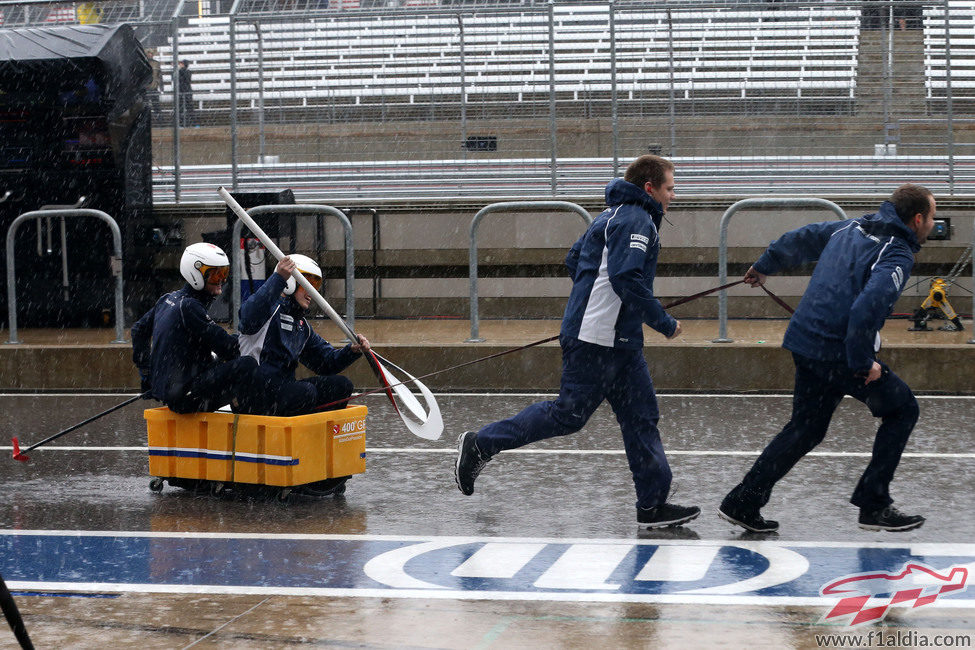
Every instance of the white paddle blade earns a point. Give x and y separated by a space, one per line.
433 427
430 425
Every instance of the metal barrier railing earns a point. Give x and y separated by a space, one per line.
784 202
319 211
116 262
507 206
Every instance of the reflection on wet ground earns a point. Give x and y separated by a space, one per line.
578 485
574 488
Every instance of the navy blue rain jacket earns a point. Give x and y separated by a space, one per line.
274 330
174 341
612 268
863 265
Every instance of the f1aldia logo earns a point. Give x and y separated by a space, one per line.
915 584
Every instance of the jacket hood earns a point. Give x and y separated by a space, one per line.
886 223
620 192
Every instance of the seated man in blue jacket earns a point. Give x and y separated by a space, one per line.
175 342
274 330
612 267
862 267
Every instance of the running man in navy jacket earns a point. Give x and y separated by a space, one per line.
834 335
612 269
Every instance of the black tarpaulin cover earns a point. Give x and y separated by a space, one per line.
48 58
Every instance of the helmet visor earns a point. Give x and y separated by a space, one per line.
215 274
313 280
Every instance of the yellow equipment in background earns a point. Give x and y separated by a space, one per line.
936 304
216 451
88 13
937 301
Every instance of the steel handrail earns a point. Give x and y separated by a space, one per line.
116 262
319 211
507 206
765 202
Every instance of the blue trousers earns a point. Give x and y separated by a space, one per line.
215 387
590 374
819 387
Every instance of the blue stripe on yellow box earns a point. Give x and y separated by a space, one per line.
256 449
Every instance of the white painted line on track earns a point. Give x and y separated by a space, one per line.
919 548
568 452
447 594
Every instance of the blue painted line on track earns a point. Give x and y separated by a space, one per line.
438 567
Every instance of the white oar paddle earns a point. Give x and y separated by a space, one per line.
429 424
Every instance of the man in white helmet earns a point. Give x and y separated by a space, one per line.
274 330
174 343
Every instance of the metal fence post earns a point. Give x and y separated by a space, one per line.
232 33
770 202
463 85
614 91
319 211
507 206
116 264
949 108
672 98
177 112
551 94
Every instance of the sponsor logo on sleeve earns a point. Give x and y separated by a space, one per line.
897 275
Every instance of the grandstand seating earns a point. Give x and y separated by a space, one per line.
962 14
803 57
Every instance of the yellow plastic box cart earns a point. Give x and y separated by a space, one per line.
311 454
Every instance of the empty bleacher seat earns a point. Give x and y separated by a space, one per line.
805 54
961 16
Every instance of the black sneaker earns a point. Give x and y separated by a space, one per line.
747 518
469 462
889 518
666 514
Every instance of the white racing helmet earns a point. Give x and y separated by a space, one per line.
202 262
308 268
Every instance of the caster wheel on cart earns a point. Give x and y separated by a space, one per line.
284 494
328 487
156 484
217 488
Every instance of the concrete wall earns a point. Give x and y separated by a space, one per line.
421 264
942 368
735 135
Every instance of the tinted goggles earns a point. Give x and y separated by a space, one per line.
313 280
215 274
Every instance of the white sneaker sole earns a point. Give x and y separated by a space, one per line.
891 529
460 447
734 521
